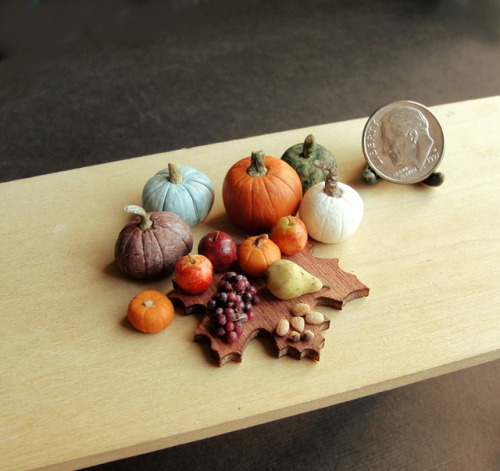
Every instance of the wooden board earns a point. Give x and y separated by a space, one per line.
78 386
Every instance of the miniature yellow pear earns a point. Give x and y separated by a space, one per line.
288 280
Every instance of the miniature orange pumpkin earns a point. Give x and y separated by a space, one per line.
256 253
150 312
260 189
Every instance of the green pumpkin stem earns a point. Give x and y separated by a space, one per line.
174 173
332 178
145 223
309 146
257 167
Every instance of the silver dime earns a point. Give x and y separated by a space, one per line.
403 142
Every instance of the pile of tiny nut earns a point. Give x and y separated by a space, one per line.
295 328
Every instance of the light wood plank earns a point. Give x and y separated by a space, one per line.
79 387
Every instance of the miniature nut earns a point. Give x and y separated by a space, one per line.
282 327
301 309
307 335
298 323
315 318
294 336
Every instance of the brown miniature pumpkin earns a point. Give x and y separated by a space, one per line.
150 312
150 245
256 253
260 189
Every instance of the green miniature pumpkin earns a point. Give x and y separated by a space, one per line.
301 158
181 190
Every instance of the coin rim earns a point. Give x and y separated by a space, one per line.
380 174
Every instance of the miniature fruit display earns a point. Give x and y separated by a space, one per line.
288 280
256 253
150 311
340 288
301 157
232 306
181 190
193 273
332 211
149 246
289 233
220 248
258 190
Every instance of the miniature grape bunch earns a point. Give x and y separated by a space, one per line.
231 306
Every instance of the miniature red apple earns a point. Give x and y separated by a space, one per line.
193 273
220 249
289 233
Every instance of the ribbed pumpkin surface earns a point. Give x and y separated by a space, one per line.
192 199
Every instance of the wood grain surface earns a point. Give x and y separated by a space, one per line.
79 386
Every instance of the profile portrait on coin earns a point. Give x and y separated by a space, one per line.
406 138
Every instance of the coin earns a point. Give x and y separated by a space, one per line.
403 142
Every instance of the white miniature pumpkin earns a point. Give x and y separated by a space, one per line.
331 211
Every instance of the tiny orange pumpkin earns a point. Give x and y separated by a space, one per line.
150 312
256 253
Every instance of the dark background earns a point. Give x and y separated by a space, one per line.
86 82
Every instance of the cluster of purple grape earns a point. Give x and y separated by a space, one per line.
231 306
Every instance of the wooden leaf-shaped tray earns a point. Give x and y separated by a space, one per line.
339 288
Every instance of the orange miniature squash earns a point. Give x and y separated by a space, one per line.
256 253
260 189
150 312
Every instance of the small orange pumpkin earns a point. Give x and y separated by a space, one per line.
150 312
256 253
260 189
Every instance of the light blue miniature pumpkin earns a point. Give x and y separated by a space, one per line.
181 190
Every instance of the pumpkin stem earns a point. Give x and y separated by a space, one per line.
174 173
145 223
148 303
309 146
332 178
257 167
259 241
